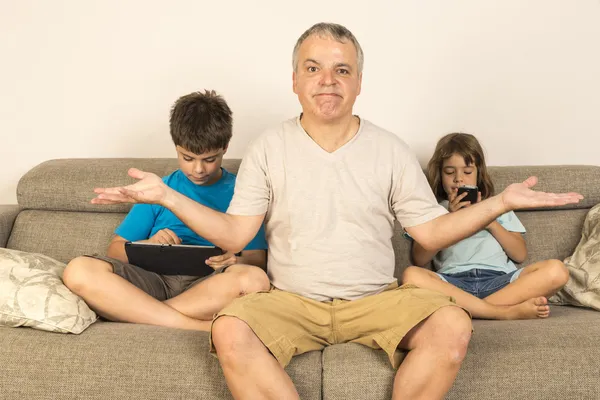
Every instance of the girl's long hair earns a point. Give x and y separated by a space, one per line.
469 148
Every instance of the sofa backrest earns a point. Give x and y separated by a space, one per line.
58 219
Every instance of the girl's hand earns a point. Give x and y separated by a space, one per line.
455 203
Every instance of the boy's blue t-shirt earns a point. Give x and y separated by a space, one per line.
144 220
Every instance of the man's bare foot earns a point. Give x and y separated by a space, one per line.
536 307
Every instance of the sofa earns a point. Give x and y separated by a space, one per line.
556 358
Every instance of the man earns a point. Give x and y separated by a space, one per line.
328 185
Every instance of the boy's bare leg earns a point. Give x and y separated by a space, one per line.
437 347
203 300
117 299
250 369
543 278
535 307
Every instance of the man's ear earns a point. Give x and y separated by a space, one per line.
225 149
294 82
359 83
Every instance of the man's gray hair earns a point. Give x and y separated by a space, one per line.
337 32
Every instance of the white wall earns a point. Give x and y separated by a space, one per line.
91 78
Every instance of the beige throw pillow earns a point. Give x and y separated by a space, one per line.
583 287
32 294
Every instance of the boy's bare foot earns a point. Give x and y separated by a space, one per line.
536 307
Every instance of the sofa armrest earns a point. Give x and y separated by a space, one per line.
8 213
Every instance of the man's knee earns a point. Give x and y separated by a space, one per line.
451 327
251 279
80 272
230 336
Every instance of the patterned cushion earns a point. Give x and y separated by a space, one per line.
32 294
583 287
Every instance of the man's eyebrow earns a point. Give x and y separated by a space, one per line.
310 60
347 66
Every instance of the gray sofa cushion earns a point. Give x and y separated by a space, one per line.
67 185
8 213
63 235
125 361
554 178
556 358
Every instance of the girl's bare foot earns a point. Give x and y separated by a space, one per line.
536 307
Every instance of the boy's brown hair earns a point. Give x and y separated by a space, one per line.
201 122
467 146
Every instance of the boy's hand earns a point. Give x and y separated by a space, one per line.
165 236
222 261
455 203
520 195
150 189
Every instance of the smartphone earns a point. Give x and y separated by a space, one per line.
472 193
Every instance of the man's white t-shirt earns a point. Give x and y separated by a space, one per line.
330 216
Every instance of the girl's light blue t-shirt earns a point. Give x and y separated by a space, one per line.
481 251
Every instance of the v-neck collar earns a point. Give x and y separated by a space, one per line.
314 146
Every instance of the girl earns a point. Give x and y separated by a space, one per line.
479 271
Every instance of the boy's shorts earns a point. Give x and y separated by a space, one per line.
161 287
481 282
289 324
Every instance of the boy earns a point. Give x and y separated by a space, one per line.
201 128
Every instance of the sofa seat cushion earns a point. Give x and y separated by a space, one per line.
555 358
111 360
32 294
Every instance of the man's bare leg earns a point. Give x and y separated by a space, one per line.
543 278
250 369
204 300
437 347
536 307
118 300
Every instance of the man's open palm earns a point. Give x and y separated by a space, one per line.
520 195
149 189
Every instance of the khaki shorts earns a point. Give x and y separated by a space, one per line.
161 287
289 324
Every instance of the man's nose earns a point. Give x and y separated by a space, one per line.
327 77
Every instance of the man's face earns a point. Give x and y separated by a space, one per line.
326 79
201 169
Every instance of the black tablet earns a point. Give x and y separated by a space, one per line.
171 259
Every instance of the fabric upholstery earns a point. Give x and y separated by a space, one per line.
583 287
556 358
68 184
8 213
113 360
63 235
32 294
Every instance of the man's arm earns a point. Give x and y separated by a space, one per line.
229 232
420 256
448 229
